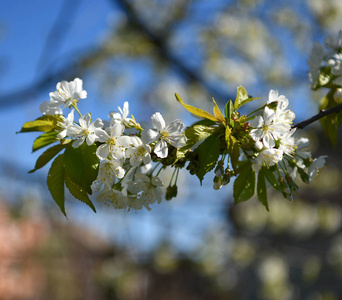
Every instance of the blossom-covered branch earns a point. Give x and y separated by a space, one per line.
120 162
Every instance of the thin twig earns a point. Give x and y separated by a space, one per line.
320 115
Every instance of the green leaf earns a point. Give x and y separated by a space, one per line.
47 156
261 188
55 182
269 174
242 98
81 165
331 122
196 111
45 139
45 123
218 114
78 192
233 148
208 154
228 111
244 184
194 134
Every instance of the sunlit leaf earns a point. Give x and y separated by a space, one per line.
218 114
242 98
44 123
196 111
45 139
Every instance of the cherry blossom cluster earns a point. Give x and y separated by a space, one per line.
275 144
326 64
125 177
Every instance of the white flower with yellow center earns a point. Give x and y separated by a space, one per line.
121 117
147 189
86 131
269 157
115 143
109 171
67 92
172 134
112 197
263 129
138 152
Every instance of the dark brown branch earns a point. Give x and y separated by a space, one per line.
320 115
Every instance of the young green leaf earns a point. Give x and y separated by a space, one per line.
81 165
78 192
196 111
233 148
228 111
218 114
55 182
45 139
242 98
47 156
44 123
244 184
194 134
208 154
261 188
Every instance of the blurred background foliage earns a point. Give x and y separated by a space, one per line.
198 246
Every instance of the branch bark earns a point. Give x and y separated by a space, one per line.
320 115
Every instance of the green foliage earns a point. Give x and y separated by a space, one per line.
242 98
194 134
196 111
244 185
261 188
44 123
55 182
331 122
45 139
78 192
208 153
228 111
218 114
81 165
47 156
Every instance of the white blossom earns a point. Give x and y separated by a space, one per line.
138 152
263 129
316 165
112 197
115 143
67 92
109 171
147 189
65 124
269 157
121 117
86 131
335 62
172 134
50 108
333 43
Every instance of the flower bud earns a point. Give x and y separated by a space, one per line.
217 183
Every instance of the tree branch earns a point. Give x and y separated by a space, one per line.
161 44
320 115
